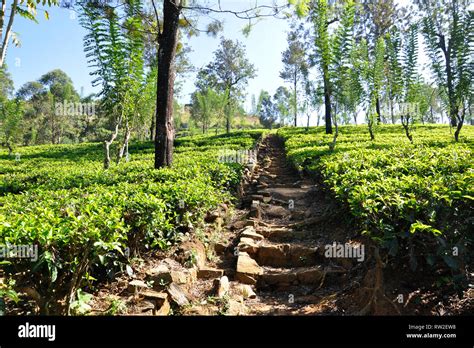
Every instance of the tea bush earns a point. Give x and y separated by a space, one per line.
86 220
405 196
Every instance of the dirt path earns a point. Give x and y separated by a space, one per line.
269 259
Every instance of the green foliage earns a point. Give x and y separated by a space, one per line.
11 116
81 306
399 193
208 106
85 219
448 28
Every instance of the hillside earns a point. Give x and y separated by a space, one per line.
244 238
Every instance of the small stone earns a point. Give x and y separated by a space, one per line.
135 285
273 255
192 275
159 275
222 286
164 309
237 225
251 222
146 306
281 278
276 211
245 279
178 295
257 198
192 253
179 277
250 233
209 273
310 276
211 216
248 245
220 248
247 291
159 297
255 211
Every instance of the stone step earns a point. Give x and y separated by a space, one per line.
286 234
287 255
277 277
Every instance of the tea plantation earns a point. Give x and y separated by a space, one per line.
86 219
415 199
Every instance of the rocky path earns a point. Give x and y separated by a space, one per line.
267 258
280 251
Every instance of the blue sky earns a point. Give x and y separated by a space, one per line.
57 43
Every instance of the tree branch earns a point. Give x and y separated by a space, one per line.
244 14
3 50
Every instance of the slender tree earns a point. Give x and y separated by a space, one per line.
23 8
228 73
295 65
448 29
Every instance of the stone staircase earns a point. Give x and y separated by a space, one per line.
281 250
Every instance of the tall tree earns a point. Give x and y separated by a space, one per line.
331 48
23 8
282 101
267 110
375 19
295 65
228 73
60 86
11 116
207 106
393 70
167 31
409 109
448 29
114 47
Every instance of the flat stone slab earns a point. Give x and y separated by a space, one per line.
247 265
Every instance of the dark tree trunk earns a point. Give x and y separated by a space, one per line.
327 105
460 124
453 109
377 109
296 99
167 40
152 128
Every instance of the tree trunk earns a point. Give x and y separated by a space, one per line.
227 110
377 109
152 128
327 105
124 148
295 99
392 115
453 109
108 143
332 146
8 31
167 40
406 126
460 124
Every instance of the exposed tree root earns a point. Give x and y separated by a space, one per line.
377 295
